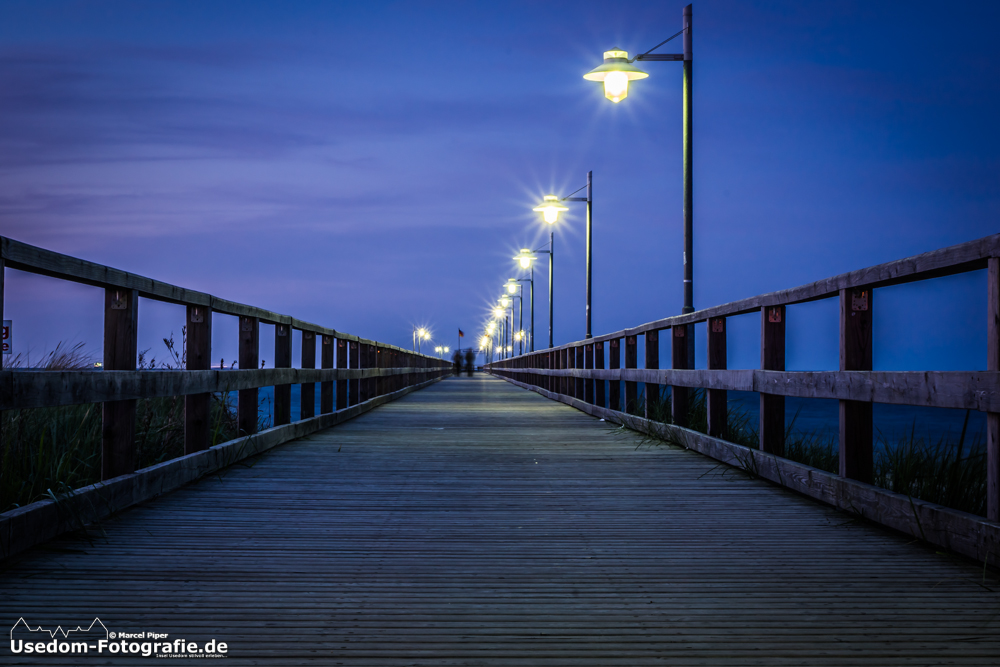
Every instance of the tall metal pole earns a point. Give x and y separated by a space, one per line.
590 246
552 259
688 191
520 319
532 306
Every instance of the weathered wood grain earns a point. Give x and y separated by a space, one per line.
772 358
121 332
197 407
967 534
716 400
477 524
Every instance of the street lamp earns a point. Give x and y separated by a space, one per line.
513 286
419 335
550 208
616 71
526 260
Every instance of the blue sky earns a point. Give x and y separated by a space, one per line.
372 166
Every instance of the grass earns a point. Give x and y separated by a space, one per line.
947 472
48 452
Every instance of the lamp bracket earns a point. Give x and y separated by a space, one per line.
573 199
661 56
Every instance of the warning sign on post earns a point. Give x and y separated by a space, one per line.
6 337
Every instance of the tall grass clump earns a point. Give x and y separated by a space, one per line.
48 452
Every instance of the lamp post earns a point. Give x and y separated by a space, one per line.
501 316
550 208
526 259
616 72
515 291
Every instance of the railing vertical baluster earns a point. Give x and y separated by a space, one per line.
249 359
588 363
341 364
772 358
856 355
326 388
121 327
197 407
993 418
599 382
716 399
354 353
615 386
307 392
653 391
363 363
580 382
679 360
282 359
631 361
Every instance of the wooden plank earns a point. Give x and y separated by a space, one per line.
307 401
679 360
993 364
600 398
856 307
198 357
653 391
326 393
614 386
717 399
121 330
631 388
249 353
963 533
772 358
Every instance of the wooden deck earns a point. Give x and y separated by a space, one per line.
475 523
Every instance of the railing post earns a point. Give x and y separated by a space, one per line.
772 358
631 361
307 392
599 383
354 353
615 386
993 418
580 382
588 363
326 387
653 391
121 328
679 360
341 364
249 359
282 359
856 355
363 364
197 407
717 360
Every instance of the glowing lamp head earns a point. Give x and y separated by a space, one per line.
422 333
447 349
484 342
504 301
525 258
498 311
550 208
511 287
616 72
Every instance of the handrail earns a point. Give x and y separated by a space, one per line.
576 372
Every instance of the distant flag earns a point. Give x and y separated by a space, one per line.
461 334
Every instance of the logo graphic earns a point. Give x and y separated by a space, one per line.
96 638
59 630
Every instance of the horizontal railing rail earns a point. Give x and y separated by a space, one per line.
577 373
361 369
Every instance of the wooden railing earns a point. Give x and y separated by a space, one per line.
363 369
576 372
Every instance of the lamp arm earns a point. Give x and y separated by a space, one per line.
640 56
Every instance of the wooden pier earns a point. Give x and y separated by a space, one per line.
478 523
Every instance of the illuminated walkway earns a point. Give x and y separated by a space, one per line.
474 523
